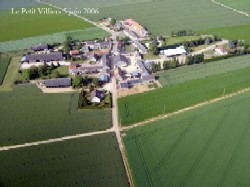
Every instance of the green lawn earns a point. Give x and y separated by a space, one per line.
243 5
10 74
180 39
240 32
139 107
29 115
14 27
91 161
205 147
187 73
150 56
4 63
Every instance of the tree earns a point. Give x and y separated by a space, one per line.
55 74
42 70
84 101
112 21
26 74
95 82
77 81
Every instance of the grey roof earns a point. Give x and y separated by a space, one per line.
58 82
39 47
103 44
54 56
140 46
105 60
119 58
141 66
85 49
148 78
134 81
97 93
124 85
132 34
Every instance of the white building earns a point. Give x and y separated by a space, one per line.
220 51
174 52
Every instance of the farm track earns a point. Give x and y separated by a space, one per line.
230 8
157 118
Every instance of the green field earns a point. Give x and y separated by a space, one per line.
91 161
240 32
205 147
4 63
10 74
187 73
180 39
162 17
139 107
14 27
243 5
29 115
85 34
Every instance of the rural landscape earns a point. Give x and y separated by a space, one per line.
122 93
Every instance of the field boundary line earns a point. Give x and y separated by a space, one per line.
53 140
168 115
230 8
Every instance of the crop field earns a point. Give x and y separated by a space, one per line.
10 74
162 17
29 115
4 63
240 32
187 73
16 4
139 107
204 147
243 5
94 3
85 34
91 161
12 28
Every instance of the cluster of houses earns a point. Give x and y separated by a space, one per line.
100 59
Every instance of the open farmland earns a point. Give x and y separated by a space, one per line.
15 4
240 32
29 115
187 73
139 107
4 63
204 147
162 17
12 28
91 161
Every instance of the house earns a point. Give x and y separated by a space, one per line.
85 50
105 60
135 74
105 75
104 45
130 34
140 47
90 44
147 78
141 67
220 50
74 52
118 47
40 47
137 27
97 96
174 52
118 26
52 56
94 57
58 83
120 61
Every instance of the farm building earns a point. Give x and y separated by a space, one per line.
120 61
174 52
40 47
97 96
58 83
131 34
141 47
53 56
220 50
137 27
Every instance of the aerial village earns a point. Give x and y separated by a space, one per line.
118 57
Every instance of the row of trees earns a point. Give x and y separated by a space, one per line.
182 33
40 71
195 59
171 64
